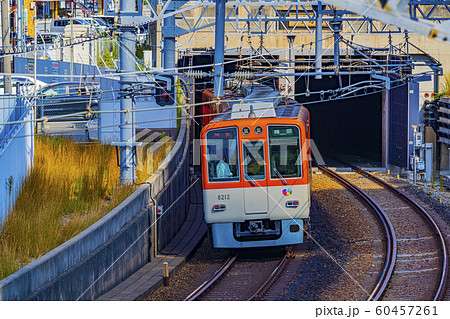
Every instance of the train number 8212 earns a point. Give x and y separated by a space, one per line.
223 196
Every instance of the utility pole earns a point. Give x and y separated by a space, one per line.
71 45
290 85
336 26
414 155
6 46
20 38
219 53
169 40
127 78
35 74
318 45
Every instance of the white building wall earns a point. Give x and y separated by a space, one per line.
16 157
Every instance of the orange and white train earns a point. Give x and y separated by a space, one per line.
256 175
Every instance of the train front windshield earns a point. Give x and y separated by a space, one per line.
284 152
254 164
222 155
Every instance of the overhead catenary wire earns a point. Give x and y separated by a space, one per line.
171 118
100 93
234 61
175 70
180 106
321 92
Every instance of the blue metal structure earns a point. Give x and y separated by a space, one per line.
434 10
169 34
291 17
219 54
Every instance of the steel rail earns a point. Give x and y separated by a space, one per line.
273 276
388 229
208 283
440 290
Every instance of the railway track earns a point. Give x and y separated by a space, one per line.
415 245
386 226
241 284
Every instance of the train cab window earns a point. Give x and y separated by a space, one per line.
285 152
254 164
222 155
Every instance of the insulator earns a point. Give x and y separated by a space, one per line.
242 75
195 74
303 68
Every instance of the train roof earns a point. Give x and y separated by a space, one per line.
263 101
290 110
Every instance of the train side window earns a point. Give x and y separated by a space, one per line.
222 155
285 151
254 163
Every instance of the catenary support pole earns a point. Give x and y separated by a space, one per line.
318 45
336 26
20 35
290 85
436 81
71 46
219 53
169 41
127 67
336 50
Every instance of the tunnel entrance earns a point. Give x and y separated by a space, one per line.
349 128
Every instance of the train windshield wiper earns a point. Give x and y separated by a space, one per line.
251 180
279 175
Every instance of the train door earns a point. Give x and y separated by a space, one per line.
286 172
255 181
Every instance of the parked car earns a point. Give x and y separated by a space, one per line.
103 22
66 98
59 25
109 20
48 37
26 84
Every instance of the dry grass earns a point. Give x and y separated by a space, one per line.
149 160
70 187
445 87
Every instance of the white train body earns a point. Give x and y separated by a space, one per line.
256 177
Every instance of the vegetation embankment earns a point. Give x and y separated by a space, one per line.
69 187
445 87
151 156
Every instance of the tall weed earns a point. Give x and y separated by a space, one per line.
69 187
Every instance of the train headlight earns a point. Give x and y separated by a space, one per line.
292 204
219 207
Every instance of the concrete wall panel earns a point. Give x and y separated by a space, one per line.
16 146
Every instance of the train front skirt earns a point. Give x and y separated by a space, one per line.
224 236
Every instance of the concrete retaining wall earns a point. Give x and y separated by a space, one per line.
106 253
16 146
